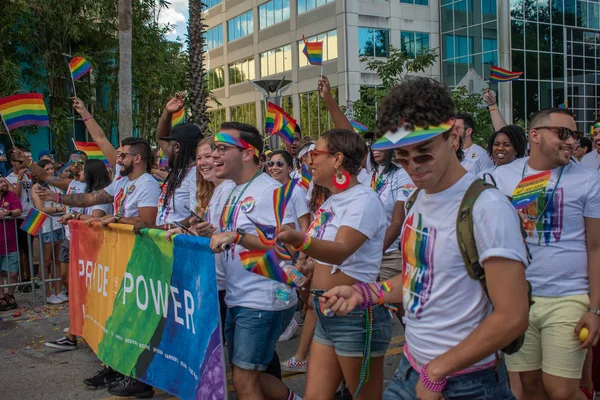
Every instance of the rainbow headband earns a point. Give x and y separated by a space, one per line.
404 137
237 142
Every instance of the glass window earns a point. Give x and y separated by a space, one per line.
206 4
307 5
217 117
214 37
448 50
241 71
245 113
273 12
276 61
216 78
417 2
330 47
239 26
314 117
373 42
414 43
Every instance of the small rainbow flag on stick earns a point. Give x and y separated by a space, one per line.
23 110
280 123
92 151
313 51
306 177
177 118
79 66
358 126
266 264
498 74
564 106
34 221
163 161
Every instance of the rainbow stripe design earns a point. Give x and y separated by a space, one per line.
79 66
282 252
358 126
498 74
313 52
529 189
306 177
163 161
178 118
281 198
280 123
237 142
266 233
403 137
23 110
564 106
92 151
34 221
266 264
386 286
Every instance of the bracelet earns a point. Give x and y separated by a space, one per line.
494 108
238 238
386 286
305 244
363 293
30 162
380 294
58 198
429 384
86 119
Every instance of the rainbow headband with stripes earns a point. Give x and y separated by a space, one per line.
237 142
404 137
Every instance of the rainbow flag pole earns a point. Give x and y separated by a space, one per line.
23 110
34 221
7 131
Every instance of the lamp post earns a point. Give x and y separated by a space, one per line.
271 90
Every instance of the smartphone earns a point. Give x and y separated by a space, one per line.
183 228
194 214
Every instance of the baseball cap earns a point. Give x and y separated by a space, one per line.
46 152
185 133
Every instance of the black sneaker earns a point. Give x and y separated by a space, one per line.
131 387
64 343
26 288
12 303
104 377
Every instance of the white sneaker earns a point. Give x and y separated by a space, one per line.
66 330
289 331
63 296
53 299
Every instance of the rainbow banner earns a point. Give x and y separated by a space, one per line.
358 126
92 151
160 324
498 74
34 221
313 51
23 110
79 66
280 123
177 118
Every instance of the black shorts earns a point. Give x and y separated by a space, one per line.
22 239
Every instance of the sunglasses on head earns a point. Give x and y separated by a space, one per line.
280 164
562 132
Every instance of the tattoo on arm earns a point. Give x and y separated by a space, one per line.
87 199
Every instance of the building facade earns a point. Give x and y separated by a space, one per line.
258 39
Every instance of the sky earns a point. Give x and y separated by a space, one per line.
176 14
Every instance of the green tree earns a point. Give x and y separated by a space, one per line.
198 87
471 103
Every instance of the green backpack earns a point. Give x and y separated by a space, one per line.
468 247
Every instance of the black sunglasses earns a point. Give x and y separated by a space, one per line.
562 132
279 164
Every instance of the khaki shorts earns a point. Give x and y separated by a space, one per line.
550 341
391 265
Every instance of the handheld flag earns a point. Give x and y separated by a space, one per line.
358 126
280 123
313 51
23 110
34 221
306 177
92 151
564 106
79 66
498 74
163 161
266 264
178 118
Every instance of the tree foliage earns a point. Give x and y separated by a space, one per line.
471 103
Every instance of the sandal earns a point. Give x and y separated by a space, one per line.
12 303
3 304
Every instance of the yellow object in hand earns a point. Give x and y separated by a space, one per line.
583 334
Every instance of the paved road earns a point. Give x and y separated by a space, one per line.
29 370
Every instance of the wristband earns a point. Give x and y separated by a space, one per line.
86 119
58 198
431 385
380 293
238 238
30 162
305 244
494 108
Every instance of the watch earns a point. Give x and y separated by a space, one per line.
594 311
118 217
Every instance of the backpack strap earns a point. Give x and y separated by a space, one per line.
465 234
411 200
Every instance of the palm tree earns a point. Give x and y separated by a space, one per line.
125 85
198 89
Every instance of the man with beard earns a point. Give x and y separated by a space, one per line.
476 159
10 207
561 215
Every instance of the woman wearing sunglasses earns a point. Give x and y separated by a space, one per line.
345 241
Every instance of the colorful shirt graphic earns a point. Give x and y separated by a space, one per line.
417 265
322 218
548 226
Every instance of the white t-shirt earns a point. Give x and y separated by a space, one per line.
395 186
245 288
591 160
75 187
25 197
358 208
298 204
364 178
185 195
476 159
442 304
51 224
559 265
129 195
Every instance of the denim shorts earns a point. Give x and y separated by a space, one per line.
54 236
251 335
346 334
487 384
63 254
10 262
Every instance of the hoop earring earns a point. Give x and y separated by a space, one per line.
341 180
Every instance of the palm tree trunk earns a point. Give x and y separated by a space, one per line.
125 53
198 89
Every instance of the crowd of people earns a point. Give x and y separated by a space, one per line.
495 280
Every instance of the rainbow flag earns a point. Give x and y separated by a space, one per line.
23 110
280 123
79 66
313 51
281 197
529 189
92 151
358 126
564 106
163 161
502 75
34 221
178 118
306 177
266 264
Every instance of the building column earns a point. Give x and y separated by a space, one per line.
504 60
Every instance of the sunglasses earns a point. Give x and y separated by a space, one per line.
124 154
315 152
280 164
562 132
420 159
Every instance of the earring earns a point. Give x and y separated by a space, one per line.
341 180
